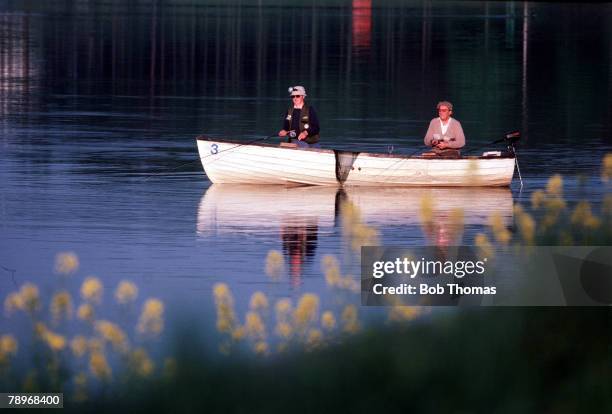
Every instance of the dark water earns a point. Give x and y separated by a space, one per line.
100 103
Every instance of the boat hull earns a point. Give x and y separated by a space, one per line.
239 163
233 163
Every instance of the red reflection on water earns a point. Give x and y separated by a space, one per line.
299 245
362 24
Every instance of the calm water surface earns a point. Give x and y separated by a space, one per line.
100 104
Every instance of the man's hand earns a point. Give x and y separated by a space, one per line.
303 136
442 145
282 133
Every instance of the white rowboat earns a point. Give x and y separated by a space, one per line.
235 162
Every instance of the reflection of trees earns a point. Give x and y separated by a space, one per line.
299 245
467 53
18 65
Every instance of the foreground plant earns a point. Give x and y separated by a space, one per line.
79 355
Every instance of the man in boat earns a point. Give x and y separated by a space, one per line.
301 120
445 135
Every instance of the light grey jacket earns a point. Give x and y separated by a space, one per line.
454 134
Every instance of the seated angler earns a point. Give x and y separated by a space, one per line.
301 120
445 134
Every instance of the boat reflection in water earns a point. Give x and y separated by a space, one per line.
301 215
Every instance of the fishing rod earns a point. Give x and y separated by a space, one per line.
510 138
240 145
200 158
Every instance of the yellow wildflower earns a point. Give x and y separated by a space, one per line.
606 169
350 215
306 311
8 344
555 205
349 319
554 186
140 363
349 283
126 292
537 199
403 313
274 264
98 365
238 333
85 312
225 319
354 229
254 326
329 261
151 320
12 303
484 246
283 310
328 321
8 347
314 339
78 345
526 224
40 329
61 306
501 233
582 216
457 218
66 263
259 301
261 348
95 345
331 268
283 330
552 215
92 290
283 314
363 235
30 297
221 290
112 333
332 276
426 212
224 301
55 341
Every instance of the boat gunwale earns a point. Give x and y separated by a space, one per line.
370 154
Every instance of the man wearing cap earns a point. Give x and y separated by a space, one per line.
445 134
301 120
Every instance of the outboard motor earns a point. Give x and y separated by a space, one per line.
512 138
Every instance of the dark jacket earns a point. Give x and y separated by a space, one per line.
304 119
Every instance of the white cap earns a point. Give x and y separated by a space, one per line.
297 90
